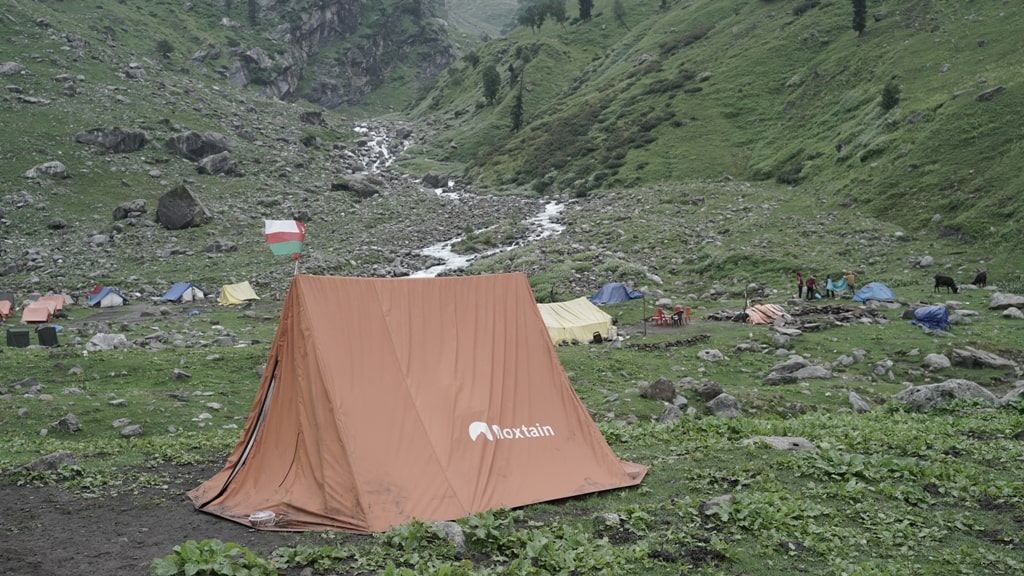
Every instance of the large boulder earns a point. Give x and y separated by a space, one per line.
52 169
195 146
114 139
216 164
927 397
131 209
179 209
1002 301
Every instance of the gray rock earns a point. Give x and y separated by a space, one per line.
51 462
179 209
69 423
936 362
1013 312
1002 301
780 442
131 209
927 397
133 431
969 357
194 146
724 406
53 169
661 389
217 164
114 140
11 68
710 391
707 508
859 405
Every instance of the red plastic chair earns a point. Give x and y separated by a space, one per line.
660 319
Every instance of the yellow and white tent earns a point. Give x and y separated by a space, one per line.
575 319
236 293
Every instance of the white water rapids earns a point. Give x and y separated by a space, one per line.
542 225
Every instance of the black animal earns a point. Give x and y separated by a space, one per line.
947 282
981 279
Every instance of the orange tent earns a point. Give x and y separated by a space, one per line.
388 400
56 301
5 309
37 312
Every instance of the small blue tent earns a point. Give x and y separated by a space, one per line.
874 291
931 317
106 297
613 293
183 292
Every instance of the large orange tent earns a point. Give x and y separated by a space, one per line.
388 400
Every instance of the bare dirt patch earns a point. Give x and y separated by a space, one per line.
48 531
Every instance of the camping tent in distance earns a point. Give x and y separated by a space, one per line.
574 320
106 297
426 411
236 294
614 293
183 292
874 291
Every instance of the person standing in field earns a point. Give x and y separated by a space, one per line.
850 278
812 287
799 285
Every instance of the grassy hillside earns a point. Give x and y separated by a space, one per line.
771 91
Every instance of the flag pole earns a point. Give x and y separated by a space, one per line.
296 272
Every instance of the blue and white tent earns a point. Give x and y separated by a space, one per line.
183 292
874 291
106 297
613 293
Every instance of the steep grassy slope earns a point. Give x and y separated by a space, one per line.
781 91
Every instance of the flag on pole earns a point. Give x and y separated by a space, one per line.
284 236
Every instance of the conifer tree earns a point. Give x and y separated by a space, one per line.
860 16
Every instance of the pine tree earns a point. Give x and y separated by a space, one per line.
860 16
586 10
516 113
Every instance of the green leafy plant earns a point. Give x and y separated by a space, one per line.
211 558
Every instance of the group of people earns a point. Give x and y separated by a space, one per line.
809 289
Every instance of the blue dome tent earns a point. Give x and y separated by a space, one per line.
874 291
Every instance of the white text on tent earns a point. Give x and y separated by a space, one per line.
494 432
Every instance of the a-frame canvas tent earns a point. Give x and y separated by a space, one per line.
574 320
183 292
391 399
6 304
106 297
236 294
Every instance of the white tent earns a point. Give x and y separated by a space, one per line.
574 320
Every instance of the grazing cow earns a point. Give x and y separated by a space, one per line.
946 281
981 279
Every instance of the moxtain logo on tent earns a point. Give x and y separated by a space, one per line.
494 432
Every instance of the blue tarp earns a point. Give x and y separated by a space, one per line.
837 285
178 290
873 291
97 298
613 293
931 317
